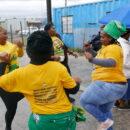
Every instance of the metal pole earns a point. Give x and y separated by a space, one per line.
65 3
67 15
11 33
21 32
49 15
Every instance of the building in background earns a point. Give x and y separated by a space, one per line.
21 27
76 24
16 24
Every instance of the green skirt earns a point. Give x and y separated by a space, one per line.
63 121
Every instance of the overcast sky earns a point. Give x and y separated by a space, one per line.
32 8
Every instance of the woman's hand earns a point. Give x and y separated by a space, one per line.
5 57
77 79
88 55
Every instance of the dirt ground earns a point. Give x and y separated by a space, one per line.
79 67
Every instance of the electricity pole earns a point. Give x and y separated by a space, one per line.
49 15
65 3
67 16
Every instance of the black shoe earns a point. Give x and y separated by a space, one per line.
8 128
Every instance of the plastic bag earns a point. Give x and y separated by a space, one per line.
80 114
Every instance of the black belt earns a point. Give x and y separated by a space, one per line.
122 83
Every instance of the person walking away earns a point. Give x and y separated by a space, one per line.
108 80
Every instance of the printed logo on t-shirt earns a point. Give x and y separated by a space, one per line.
58 46
45 95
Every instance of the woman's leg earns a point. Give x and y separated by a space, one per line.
9 115
107 109
95 96
128 93
124 101
98 94
10 100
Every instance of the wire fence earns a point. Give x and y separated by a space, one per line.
20 28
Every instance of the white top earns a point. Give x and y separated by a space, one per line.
126 55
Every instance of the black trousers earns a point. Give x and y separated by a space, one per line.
10 100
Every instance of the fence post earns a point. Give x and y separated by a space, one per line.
11 33
21 32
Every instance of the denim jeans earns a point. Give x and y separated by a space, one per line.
99 98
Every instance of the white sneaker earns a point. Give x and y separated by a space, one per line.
106 124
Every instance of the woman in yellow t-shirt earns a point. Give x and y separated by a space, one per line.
108 80
61 52
8 62
43 82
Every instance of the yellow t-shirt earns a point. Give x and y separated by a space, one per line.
12 50
42 85
110 74
58 45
